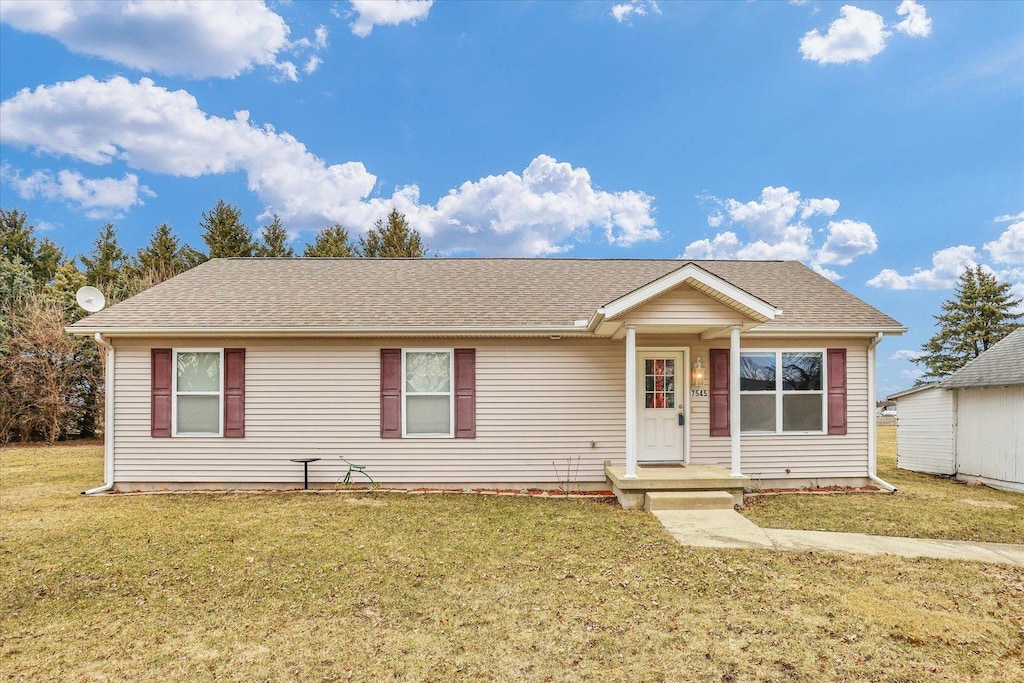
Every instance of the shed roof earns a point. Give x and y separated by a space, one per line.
311 294
1000 366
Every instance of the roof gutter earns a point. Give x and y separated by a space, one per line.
873 420
564 331
108 419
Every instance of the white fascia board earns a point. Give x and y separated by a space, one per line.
567 331
914 390
824 331
678 277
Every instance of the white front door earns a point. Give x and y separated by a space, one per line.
661 399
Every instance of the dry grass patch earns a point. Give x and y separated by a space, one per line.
925 506
250 587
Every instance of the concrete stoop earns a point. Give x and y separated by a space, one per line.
684 480
688 500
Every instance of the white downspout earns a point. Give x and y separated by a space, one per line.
108 419
873 419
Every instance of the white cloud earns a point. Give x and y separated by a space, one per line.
846 241
947 265
623 11
312 64
824 206
161 131
98 197
387 13
777 233
917 23
906 354
856 36
320 36
186 38
912 374
1007 218
1009 247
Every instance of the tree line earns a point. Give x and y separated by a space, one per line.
51 383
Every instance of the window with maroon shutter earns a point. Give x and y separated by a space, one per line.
234 393
465 393
391 393
836 391
719 392
161 361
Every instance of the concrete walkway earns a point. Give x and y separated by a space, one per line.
730 529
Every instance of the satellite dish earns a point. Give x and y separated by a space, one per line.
91 299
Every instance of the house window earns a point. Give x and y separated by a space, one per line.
427 380
781 391
198 396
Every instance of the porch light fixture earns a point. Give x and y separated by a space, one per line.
697 374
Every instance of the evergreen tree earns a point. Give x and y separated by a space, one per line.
331 241
164 255
48 258
16 240
977 317
104 263
275 240
394 240
224 232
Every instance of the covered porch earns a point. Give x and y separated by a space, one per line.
666 326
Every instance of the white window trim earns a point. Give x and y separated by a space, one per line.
450 394
780 393
174 395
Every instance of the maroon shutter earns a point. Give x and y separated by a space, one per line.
391 393
160 368
465 393
837 391
234 393
719 394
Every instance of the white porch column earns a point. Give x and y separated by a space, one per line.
630 402
734 399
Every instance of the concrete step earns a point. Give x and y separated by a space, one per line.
688 500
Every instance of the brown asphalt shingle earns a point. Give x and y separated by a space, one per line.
380 293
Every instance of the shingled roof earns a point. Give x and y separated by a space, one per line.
299 294
1000 366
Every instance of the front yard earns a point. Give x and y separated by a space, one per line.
926 507
442 587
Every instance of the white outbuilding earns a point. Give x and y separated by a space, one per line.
971 424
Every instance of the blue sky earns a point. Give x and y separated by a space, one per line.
881 143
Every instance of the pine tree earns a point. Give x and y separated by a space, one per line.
395 240
104 263
275 240
331 241
224 232
980 314
16 239
48 258
164 255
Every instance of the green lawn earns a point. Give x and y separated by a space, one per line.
924 506
386 586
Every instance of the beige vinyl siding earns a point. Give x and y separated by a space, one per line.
539 402
990 435
924 431
768 456
684 306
